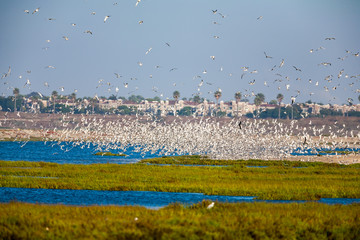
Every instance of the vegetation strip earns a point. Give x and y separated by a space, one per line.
282 182
223 221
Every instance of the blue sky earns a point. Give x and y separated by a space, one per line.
287 30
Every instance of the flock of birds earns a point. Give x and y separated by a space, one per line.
261 139
235 139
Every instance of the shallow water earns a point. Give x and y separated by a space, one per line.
141 198
64 153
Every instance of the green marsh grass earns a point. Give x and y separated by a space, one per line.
109 154
223 221
279 182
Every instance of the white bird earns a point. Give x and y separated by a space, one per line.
282 63
36 10
137 3
26 11
212 57
211 205
27 83
66 38
148 51
106 18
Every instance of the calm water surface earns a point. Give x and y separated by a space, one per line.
141 198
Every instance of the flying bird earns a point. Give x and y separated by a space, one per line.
36 10
266 56
297 69
106 18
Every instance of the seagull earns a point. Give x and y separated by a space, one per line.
51 19
266 56
212 57
126 85
330 38
50 67
73 24
26 11
117 75
172 69
88 31
93 13
282 63
148 51
211 205
325 64
293 100
140 64
36 10
66 38
297 69
46 84
137 3
168 44
259 18
27 83
141 22
106 18
214 11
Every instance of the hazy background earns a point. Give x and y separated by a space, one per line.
287 30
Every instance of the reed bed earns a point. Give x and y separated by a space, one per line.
282 182
223 221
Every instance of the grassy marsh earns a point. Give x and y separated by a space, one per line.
223 221
280 182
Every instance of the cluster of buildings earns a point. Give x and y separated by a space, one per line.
165 107
232 108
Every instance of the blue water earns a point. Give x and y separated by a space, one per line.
311 152
65 152
141 198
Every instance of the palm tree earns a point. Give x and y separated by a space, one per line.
238 96
54 95
279 98
16 92
259 99
176 95
197 99
217 95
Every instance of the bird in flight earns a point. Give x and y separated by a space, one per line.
137 3
106 18
330 38
36 10
259 18
297 69
266 56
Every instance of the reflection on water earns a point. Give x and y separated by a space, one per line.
141 198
